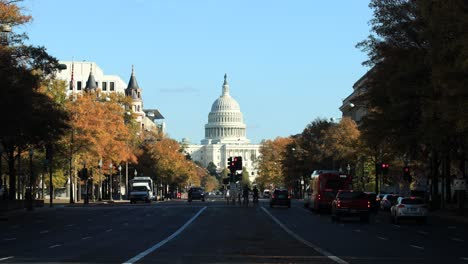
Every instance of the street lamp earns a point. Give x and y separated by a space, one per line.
135 173
30 192
2 179
120 182
110 181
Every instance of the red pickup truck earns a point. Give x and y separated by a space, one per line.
351 203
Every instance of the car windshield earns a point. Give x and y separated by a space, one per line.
140 188
412 201
392 197
351 195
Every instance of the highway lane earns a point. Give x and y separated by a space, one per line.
379 241
213 232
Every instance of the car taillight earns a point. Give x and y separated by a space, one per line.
273 196
401 206
289 196
368 204
318 197
338 204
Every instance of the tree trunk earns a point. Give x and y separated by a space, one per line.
448 180
435 203
12 174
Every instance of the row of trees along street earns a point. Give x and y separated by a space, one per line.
416 101
59 134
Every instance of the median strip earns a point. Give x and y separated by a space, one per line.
305 242
162 243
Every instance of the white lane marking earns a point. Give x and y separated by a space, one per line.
125 224
44 232
452 227
160 244
357 230
109 230
465 259
87 237
10 257
70 225
305 242
397 226
457 239
10 239
89 220
342 225
382 238
423 232
54 246
418 247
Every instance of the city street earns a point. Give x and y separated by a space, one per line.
213 232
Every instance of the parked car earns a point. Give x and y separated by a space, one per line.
196 193
409 208
266 194
388 201
280 196
351 203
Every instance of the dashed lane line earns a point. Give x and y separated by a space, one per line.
457 239
466 259
418 247
452 227
423 232
5 258
305 242
44 232
382 238
10 239
357 230
109 230
70 225
54 246
398 226
163 242
85 238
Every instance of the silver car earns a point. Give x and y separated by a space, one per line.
409 208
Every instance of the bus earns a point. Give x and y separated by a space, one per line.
324 184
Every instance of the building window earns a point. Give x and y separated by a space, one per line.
111 86
138 94
253 173
104 86
78 86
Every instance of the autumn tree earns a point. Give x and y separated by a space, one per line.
270 166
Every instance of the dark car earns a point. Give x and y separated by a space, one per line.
280 197
373 201
196 193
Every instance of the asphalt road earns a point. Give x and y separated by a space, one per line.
213 232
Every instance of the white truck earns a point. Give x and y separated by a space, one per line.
141 189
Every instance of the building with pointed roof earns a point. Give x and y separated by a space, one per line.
88 76
225 136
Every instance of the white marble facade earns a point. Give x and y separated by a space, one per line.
225 136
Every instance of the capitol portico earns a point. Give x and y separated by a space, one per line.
225 136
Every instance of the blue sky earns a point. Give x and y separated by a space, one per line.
288 62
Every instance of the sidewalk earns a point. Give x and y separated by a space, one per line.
66 202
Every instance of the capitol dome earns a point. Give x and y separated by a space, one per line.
225 121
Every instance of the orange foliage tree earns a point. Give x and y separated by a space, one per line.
271 170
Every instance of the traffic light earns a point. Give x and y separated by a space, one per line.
238 163
407 174
385 167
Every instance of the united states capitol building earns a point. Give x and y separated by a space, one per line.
225 136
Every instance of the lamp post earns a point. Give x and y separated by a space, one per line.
30 192
302 188
110 182
2 179
100 182
120 182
